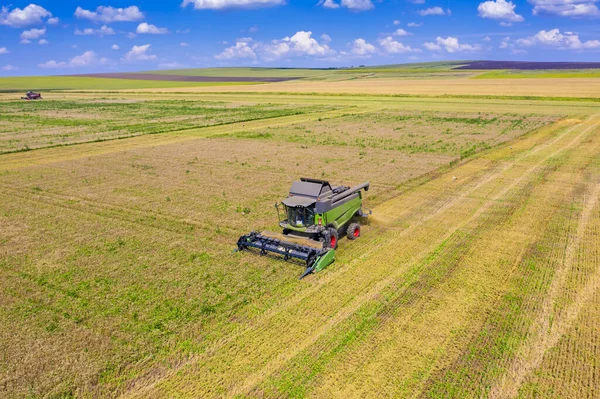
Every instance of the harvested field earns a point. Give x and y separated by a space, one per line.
575 87
527 65
477 276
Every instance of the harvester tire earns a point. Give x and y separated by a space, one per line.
353 231
333 238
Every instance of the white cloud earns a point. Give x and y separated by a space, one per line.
501 10
222 4
301 44
396 22
354 5
184 44
554 39
32 34
9 68
487 39
182 31
253 29
413 25
566 8
140 53
89 58
53 21
392 46
115 47
110 14
505 43
43 41
3 50
326 38
171 65
20 18
131 35
241 50
103 31
450 45
434 11
401 32
329 4
145 28
361 48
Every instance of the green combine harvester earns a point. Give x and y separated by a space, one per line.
315 216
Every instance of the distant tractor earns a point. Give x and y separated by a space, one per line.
315 215
31 95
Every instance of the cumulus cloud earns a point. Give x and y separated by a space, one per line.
396 22
501 10
103 31
184 44
171 65
401 32
140 53
555 39
9 68
145 28
391 46
354 5
222 4
89 58
43 41
4 50
361 48
326 38
413 25
241 50
53 21
566 8
32 34
115 47
301 44
329 4
110 14
20 18
434 11
450 45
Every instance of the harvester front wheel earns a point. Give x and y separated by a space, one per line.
333 238
353 231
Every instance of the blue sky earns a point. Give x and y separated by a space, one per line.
82 36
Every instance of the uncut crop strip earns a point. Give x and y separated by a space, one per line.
331 298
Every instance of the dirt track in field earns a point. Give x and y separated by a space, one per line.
183 78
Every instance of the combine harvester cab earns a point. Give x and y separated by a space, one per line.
30 95
315 214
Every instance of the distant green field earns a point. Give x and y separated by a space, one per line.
541 74
86 83
247 72
312 73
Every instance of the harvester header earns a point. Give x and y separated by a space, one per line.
315 214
